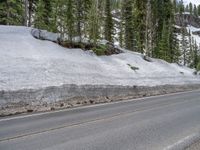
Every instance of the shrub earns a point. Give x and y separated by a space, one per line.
100 50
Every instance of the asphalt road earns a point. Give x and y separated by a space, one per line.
155 123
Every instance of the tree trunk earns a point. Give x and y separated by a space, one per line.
25 12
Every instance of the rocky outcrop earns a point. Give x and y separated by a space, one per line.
45 35
187 19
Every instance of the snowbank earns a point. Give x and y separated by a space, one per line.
29 63
195 36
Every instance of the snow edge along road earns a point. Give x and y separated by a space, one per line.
68 96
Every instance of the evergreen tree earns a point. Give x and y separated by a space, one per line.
175 6
187 8
82 8
140 23
182 8
39 21
79 18
70 19
195 12
128 24
174 51
164 45
94 22
108 29
121 26
184 46
191 8
195 62
11 12
198 10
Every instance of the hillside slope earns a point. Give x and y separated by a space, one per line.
28 63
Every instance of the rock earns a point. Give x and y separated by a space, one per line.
187 20
147 58
196 33
45 35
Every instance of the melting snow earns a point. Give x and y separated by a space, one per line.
26 62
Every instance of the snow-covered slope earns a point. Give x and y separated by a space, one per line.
26 62
195 36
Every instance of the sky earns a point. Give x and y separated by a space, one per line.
197 2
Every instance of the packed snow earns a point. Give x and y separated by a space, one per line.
196 37
28 63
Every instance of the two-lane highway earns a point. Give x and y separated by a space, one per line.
162 122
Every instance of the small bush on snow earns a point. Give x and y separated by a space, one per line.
133 67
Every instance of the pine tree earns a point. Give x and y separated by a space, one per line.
174 42
11 12
79 18
139 23
187 8
108 29
128 24
121 26
94 22
191 8
82 8
184 46
195 62
39 21
198 10
195 12
43 15
70 20
164 45
86 9
175 6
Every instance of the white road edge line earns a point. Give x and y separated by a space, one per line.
96 105
184 143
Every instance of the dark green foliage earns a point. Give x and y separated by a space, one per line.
191 8
195 12
128 24
195 56
108 29
139 23
94 23
11 12
40 14
70 19
100 50
164 43
198 10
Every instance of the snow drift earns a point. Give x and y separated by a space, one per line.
29 63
